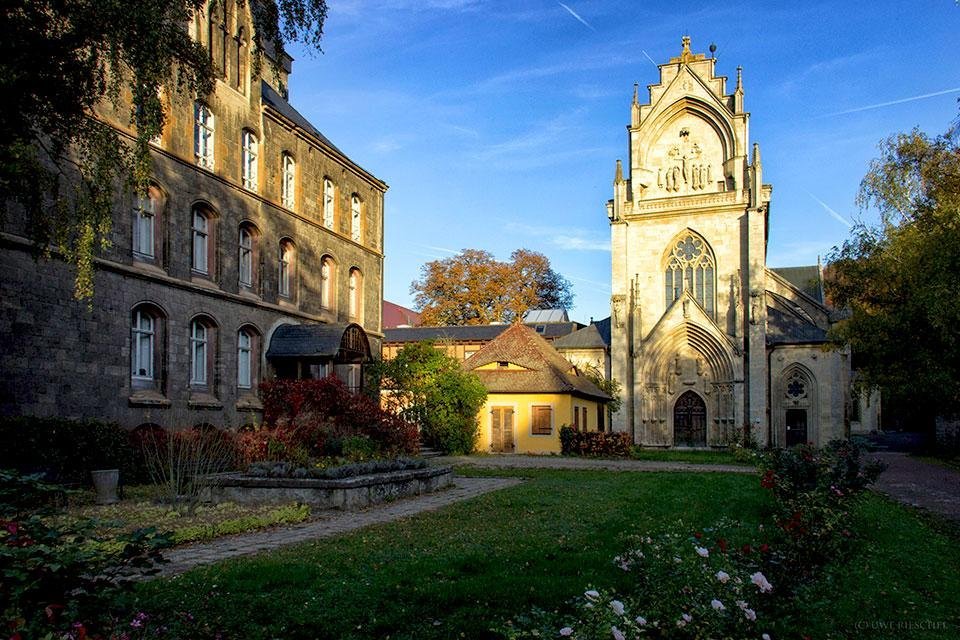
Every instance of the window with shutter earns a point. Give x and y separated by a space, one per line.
542 419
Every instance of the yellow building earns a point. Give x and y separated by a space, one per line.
532 392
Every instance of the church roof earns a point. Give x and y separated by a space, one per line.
785 326
544 369
806 279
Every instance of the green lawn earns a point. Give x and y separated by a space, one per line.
718 456
456 572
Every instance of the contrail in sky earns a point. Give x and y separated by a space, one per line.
893 102
648 57
832 213
575 15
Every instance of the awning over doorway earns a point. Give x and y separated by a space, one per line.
340 343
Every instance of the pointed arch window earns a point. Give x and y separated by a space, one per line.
327 280
203 129
691 267
288 181
355 218
248 168
328 201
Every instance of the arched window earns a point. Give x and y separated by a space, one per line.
202 351
248 256
203 231
248 159
356 218
286 269
356 294
691 267
328 277
288 181
146 344
328 203
248 357
145 225
203 129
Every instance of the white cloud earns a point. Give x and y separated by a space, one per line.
563 238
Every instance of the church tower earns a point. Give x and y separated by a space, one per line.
688 226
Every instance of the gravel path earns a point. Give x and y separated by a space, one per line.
560 462
330 523
920 484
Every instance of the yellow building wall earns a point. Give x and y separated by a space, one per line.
522 403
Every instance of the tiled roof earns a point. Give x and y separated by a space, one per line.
586 338
603 327
807 279
545 370
472 333
395 315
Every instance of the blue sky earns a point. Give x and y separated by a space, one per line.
497 124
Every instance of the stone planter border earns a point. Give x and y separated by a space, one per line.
345 493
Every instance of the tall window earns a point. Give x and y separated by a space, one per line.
288 181
248 154
356 294
144 226
142 345
201 241
355 218
199 352
327 280
203 135
691 267
286 267
246 257
328 202
245 342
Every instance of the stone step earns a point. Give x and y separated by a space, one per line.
429 452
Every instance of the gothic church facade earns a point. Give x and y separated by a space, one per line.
705 337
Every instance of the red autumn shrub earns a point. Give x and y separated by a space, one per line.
598 444
319 414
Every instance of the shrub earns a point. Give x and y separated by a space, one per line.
65 451
605 444
430 388
184 463
62 580
319 414
813 490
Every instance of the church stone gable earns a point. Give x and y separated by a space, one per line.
687 157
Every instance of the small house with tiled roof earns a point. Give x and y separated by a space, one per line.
532 391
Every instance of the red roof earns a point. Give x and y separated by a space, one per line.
396 316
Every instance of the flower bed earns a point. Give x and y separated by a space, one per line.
354 492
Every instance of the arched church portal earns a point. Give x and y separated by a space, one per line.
690 421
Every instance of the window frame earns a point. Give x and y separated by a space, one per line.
201 242
250 351
329 203
143 216
249 159
139 334
288 181
355 295
199 342
328 279
204 135
286 269
356 218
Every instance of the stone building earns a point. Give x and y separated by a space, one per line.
705 337
255 226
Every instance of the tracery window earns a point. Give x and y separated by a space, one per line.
691 267
795 387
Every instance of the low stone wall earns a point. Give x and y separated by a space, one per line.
347 493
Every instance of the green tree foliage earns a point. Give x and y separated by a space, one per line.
60 168
429 388
610 386
473 287
898 280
